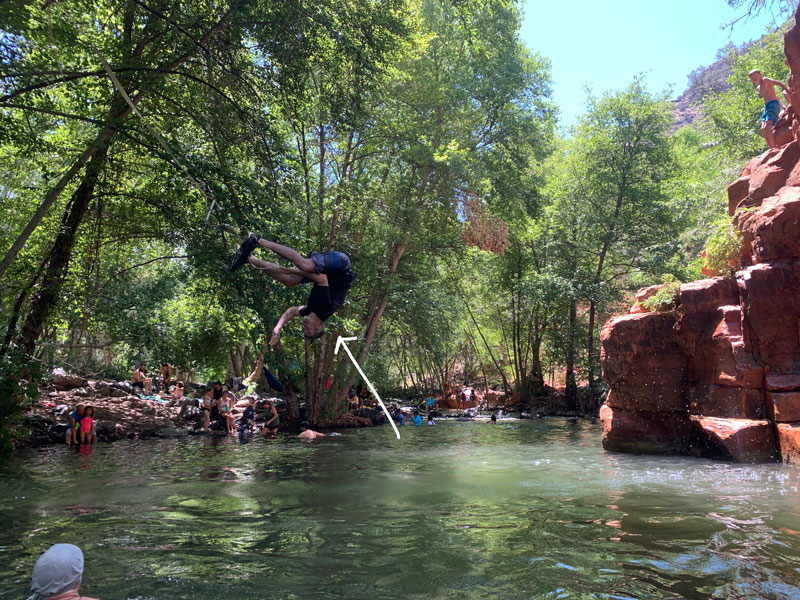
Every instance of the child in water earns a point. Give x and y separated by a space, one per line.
248 418
73 433
416 419
430 420
87 422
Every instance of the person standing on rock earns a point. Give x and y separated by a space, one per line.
330 272
772 106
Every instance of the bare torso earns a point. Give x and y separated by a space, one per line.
767 90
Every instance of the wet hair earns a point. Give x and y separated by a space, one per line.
305 425
416 412
88 409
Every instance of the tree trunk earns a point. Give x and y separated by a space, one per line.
590 356
60 255
571 388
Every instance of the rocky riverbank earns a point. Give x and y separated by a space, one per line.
121 414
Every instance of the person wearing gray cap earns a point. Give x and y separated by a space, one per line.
57 574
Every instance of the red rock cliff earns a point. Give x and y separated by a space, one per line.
719 376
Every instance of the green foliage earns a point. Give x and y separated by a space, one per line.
734 115
19 388
723 252
666 296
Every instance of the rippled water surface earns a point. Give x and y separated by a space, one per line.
464 510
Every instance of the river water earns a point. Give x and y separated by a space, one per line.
521 509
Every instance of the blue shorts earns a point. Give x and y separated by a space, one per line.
330 262
772 110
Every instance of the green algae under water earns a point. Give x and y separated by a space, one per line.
462 510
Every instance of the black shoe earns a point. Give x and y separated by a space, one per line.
244 251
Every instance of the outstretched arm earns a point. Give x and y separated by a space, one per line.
287 316
776 82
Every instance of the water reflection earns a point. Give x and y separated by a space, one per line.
462 510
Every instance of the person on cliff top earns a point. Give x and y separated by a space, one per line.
306 433
58 574
772 106
330 272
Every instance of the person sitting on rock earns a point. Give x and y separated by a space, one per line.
273 420
207 404
330 273
88 435
225 408
165 372
139 380
177 393
306 433
58 574
73 433
772 106
248 418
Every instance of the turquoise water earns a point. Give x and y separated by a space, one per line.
522 509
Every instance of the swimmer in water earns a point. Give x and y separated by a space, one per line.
306 433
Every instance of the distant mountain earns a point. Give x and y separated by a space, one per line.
703 81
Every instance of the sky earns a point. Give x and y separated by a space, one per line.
605 44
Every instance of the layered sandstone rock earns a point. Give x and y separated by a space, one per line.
719 375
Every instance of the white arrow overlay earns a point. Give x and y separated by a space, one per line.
341 342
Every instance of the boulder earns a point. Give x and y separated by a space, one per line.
642 295
773 231
104 390
645 432
789 442
783 407
61 410
643 363
728 402
771 311
61 378
716 353
708 294
118 393
740 440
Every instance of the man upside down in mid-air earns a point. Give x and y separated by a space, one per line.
330 272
